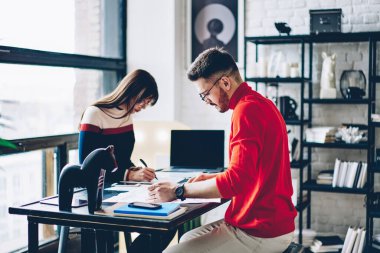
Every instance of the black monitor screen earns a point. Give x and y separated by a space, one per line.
197 148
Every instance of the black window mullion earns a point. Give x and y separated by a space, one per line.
36 57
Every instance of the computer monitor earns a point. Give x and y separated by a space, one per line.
197 148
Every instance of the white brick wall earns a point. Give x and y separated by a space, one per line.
330 212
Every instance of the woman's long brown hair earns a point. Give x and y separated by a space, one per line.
132 89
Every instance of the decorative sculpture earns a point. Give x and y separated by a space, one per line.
328 89
90 175
283 27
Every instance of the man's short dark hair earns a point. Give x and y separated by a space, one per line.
209 62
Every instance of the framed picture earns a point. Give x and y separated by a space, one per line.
216 23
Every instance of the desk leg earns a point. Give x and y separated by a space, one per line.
155 242
104 241
87 240
32 236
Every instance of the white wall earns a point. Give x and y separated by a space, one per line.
152 44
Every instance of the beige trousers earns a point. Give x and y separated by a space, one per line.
220 237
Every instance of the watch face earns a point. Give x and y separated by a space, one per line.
179 191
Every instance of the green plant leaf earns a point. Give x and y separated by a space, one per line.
7 144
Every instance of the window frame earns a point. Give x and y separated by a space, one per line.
62 144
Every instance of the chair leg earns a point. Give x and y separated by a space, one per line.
63 237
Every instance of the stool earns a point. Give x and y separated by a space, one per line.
294 248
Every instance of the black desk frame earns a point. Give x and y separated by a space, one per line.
46 214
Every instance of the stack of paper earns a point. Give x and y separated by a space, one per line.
325 177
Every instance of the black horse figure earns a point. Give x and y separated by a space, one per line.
89 175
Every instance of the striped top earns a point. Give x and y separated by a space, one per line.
101 127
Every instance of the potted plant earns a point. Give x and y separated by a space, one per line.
7 144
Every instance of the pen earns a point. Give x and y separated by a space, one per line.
144 163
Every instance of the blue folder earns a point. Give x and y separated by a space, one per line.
165 210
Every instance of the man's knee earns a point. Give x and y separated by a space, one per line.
187 236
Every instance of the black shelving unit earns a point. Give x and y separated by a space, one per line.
310 185
373 213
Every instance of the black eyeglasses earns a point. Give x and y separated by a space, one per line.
204 94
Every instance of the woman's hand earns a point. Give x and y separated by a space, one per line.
143 174
162 192
201 177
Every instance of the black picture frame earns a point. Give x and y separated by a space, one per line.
216 23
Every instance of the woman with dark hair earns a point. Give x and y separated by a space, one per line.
108 121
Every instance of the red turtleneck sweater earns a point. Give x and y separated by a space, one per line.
258 179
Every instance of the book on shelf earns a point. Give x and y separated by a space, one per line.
354 240
331 243
336 172
349 174
357 175
171 210
363 176
356 245
295 152
342 174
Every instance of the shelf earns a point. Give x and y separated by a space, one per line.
374 250
341 37
364 101
296 122
268 40
377 79
298 164
313 186
320 38
374 124
375 167
276 80
374 214
302 206
337 145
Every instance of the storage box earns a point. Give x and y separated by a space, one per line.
325 21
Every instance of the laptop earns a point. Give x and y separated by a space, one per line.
196 150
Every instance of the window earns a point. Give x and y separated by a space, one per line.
56 57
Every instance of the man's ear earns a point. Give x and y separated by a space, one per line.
227 83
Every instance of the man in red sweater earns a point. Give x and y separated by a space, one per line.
260 217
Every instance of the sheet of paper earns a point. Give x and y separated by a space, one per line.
175 176
141 194
118 188
134 194
192 200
